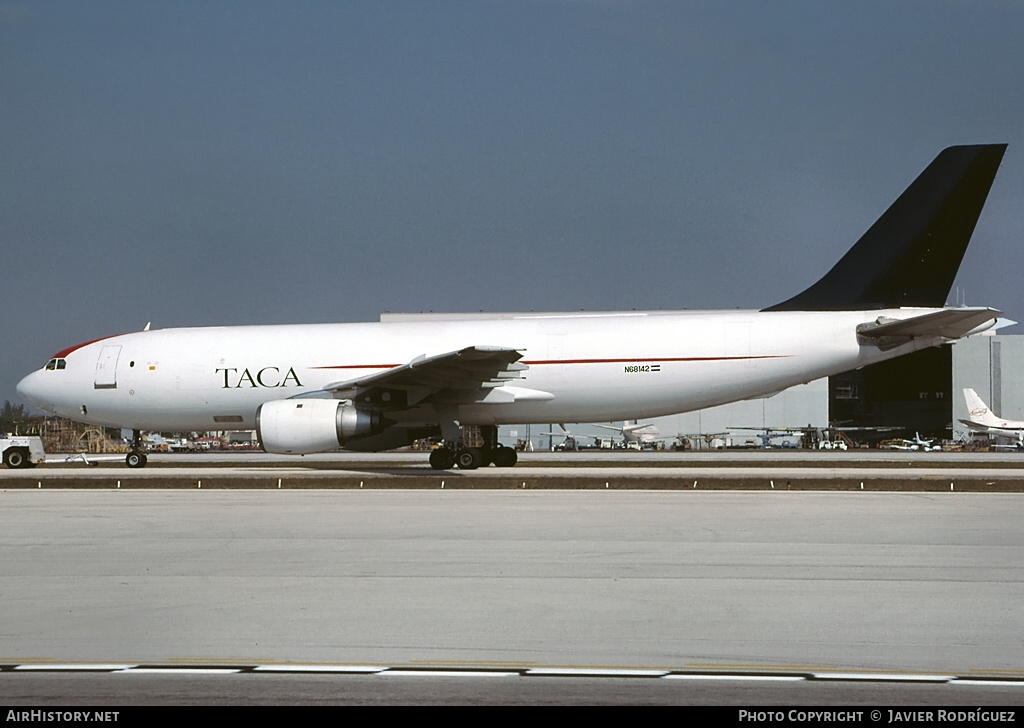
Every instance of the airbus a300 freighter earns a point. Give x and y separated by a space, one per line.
379 386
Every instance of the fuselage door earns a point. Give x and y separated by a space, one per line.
106 368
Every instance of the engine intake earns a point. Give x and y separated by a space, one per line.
301 426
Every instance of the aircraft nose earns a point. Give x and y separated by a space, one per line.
33 390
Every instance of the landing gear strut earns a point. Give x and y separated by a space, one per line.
470 458
136 457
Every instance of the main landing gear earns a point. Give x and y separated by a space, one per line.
470 458
136 457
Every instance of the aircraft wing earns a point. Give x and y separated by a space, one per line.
864 428
475 369
950 323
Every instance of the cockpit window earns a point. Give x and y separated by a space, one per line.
56 364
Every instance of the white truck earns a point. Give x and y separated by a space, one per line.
22 451
26 451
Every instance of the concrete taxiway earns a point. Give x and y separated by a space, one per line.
871 590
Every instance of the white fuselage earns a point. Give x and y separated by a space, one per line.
581 367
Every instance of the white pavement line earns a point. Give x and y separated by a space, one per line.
181 670
709 676
882 676
569 672
974 681
77 667
357 669
594 672
446 673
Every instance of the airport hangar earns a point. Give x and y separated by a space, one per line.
919 393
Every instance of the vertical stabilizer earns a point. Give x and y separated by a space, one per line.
978 411
911 255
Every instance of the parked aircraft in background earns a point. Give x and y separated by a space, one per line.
378 386
636 433
916 444
710 440
568 441
833 437
982 419
768 435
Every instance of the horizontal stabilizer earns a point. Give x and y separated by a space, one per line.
950 323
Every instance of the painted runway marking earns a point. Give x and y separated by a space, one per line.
706 676
355 669
593 672
75 667
183 670
417 672
509 671
882 677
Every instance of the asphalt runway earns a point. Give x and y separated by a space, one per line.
415 595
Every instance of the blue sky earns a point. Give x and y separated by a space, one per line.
207 163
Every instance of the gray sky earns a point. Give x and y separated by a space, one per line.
206 163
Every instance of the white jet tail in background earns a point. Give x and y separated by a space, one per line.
982 419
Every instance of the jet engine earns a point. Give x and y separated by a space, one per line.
300 426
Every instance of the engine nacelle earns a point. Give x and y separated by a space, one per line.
301 426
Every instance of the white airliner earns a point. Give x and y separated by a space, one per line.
982 419
635 433
378 386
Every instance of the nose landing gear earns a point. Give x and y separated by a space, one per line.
136 457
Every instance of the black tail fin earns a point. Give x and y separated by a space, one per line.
910 256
